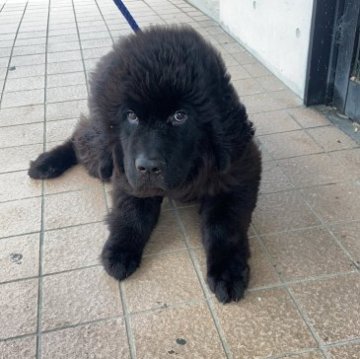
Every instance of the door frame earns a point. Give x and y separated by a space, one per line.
332 33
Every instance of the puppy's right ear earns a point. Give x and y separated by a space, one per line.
118 157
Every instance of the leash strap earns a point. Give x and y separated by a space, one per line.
121 6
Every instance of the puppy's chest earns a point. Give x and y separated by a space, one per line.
206 184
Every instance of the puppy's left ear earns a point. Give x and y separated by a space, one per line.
231 135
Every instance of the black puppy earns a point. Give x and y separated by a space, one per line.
166 121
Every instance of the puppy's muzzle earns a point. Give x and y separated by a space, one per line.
146 166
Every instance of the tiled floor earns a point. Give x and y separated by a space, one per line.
55 299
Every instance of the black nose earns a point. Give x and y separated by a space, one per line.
147 165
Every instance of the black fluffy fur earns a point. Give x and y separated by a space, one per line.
210 156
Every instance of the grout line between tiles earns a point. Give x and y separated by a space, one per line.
103 18
114 317
126 314
256 289
288 355
80 45
327 227
127 318
302 314
12 50
42 230
204 288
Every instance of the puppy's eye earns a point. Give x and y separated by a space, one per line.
179 117
132 117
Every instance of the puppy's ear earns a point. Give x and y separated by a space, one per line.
231 135
118 157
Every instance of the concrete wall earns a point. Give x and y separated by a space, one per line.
276 32
209 7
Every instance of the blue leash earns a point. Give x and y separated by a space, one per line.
127 15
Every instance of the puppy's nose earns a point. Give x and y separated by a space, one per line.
147 165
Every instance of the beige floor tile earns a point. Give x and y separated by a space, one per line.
60 130
29 50
331 138
307 355
97 340
262 103
262 272
332 306
65 110
282 211
335 202
21 135
273 122
183 332
190 218
66 93
271 83
64 67
20 115
241 56
71 208
306 253
18 308
62 56
63 46
314 170
238 73
273 179
74 78
167 235
18 185
27 60
73 247
308 117
257 70
24 348
348 235
25 83
347 351
286 98
18 158
79 296
264 324
18 217
349 160
23 98
265 155
19 257
290 144
73 179
247 87
162 280
27 71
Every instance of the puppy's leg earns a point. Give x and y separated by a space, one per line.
53 163
225 222
92 146
131 222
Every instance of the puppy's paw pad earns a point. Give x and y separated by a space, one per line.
43 167
229 283
120 264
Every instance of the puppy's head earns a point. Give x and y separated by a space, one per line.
165 88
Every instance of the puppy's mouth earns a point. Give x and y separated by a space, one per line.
148 186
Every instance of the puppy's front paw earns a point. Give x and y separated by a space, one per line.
44 167
229 280
119 263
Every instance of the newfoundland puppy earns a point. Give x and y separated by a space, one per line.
166 121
